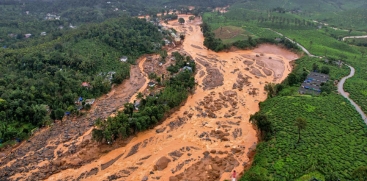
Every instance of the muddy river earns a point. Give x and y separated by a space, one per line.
214 119
210 135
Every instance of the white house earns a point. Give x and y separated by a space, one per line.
123 59
151 84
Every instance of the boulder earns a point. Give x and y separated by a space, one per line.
235 150
206 153
162 163
145 178
173 178
160 130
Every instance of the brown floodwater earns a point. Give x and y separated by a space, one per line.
230 105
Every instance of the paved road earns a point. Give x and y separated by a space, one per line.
344 94
342 81
354 37
299 45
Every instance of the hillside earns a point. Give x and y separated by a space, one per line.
355 19
305 7
41 82
220 85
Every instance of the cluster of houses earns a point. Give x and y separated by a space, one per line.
50 16
176 37
312 84
78 102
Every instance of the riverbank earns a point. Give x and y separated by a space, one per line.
212 123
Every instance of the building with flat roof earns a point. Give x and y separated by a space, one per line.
312 84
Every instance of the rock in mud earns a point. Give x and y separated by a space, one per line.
145 178
175 154
206 153
160 130
162 163
173 178
92 172
235 150
230 93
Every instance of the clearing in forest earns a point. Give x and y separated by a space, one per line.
230 34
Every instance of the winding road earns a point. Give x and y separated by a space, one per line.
345 94
354 37
342 81
299 45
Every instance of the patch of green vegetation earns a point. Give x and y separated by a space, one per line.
330 145
310 7
231 34
313 175
151 109
108 57
355 19
319 43
357 41
41 79
219 21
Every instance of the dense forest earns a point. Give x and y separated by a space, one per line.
152 108
37 18
41 82
49 48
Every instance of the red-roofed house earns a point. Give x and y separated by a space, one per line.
85 84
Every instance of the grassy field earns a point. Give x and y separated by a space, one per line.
249 28
230 34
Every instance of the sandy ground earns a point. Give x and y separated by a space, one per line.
212 127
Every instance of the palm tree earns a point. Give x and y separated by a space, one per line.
301 123
129 109
311 44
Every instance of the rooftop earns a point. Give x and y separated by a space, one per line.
318 77
123 59
151 84
85 84
312 84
